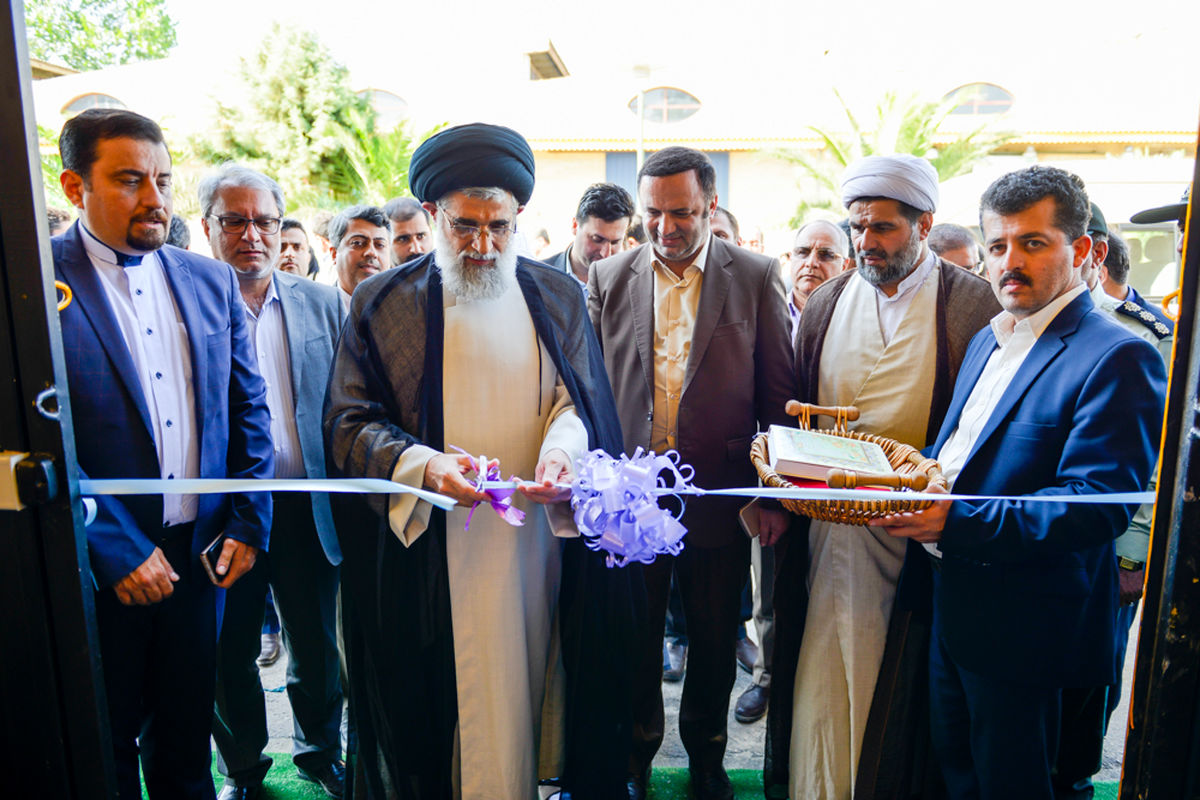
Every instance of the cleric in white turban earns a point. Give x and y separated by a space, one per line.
887 338
909 179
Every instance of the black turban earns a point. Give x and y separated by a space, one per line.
472 155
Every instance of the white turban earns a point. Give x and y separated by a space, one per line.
910 179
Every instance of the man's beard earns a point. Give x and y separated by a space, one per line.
469 282
148 241
896 267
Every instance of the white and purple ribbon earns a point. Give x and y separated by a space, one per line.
615 500
499 498
616 505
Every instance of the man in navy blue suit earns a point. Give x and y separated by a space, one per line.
1053 398
163 384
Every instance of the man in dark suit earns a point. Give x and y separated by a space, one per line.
599 229
1052 399
695 338
163 385
294 325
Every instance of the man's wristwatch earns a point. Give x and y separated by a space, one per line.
1129 564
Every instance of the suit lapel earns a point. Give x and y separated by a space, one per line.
179 278
1045 350
713 291
295 322
90 296
641 299
968 376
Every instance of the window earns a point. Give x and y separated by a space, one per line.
980 98
666 104
93 100
621 168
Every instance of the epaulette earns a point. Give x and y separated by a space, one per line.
1134 311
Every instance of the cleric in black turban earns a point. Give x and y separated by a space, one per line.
477 154
448 671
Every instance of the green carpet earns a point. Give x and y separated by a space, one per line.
665 783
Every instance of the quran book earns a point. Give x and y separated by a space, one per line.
808 454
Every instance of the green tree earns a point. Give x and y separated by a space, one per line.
303 125
899 124
51 168
89 34
375 165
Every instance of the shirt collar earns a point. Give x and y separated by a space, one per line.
1102 298
569 267
911 282
272 296
1005 325
98 249
699 262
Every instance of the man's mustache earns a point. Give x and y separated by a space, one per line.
153 216
1016 277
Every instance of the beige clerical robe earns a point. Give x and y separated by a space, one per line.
853 570
502 399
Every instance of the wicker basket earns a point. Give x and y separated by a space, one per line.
912 470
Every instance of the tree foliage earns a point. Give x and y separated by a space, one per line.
51 168
898 124
90 34
302 124
376 163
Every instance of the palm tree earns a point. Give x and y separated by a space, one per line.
901 124
372 166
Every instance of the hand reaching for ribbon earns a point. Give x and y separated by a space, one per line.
924 526
554 468
444 475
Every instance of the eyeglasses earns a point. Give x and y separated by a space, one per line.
463 229
232 223
823 255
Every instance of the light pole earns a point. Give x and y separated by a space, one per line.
641 72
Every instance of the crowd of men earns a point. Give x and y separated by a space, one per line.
970 650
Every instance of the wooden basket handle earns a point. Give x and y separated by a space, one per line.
806 411
849 479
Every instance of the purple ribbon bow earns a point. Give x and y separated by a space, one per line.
499 499
616 505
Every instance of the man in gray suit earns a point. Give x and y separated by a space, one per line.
294 325
695 338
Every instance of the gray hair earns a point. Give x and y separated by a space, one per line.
231 175
840 239
402 209
341 221
948 236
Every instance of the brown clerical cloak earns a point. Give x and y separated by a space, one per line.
894 760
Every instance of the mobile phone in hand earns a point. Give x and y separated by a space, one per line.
209 557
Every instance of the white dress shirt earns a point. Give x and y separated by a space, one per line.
1015 339
269 335
157 339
